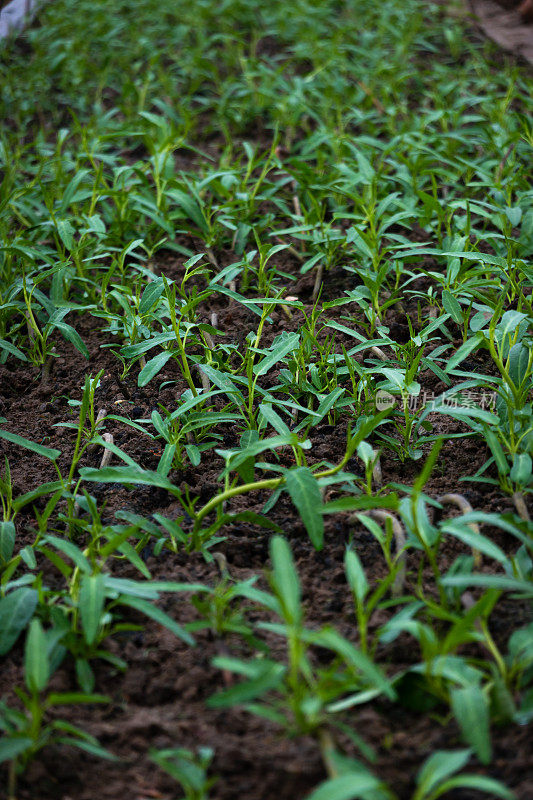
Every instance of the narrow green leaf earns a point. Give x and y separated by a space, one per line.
135 350
47 452
255 519
10 348
151 295
483 258
246 468
134 558
329 401
155 613
70 550
193 453
463 352
304 490
355 575
189 205
521 469
10 748
514 215
152 367
506 584
91 605
512 325
133 475
285 579
460 529
452 306
480 783
497 451
274 419
27 554
466 413
66 233
72 336
16 610
471 710
439 766
85 675
518 362
71 698
223 382
125 586
332 639
346 787
361 503
268 676
40 491
283 345
255 448
7 539
36 664
93 748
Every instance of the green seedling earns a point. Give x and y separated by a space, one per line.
26 731
305 697
438 775
91 607
188 769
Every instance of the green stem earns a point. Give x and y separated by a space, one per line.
271 483
268 483
502 368
492 648
184 362
327 748
12 780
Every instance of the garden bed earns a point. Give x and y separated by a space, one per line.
242 248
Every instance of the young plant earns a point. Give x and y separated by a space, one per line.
188 769
306 697
26 731
87 611
437 776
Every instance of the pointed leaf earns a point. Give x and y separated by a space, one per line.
284 344
438 767
7 539
152 367
356 575
346 787
151 294
480 783
10 748
268 675
157 615
91 605
133 475
304 490
36 664
16 610
285 579
47 452
471 710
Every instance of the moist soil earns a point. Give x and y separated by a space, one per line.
159 701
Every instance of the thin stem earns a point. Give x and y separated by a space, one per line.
271 483
12 780
491 646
